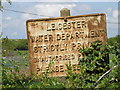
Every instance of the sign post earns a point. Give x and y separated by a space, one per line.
64 12
55 41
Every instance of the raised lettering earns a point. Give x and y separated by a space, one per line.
58 37
52 48
78 24
73 24
56 68
35 49
53 26
63 36
45 38
64 25
69 25
60 26
50 38
61 68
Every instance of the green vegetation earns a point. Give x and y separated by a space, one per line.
10 45
94 64
113 40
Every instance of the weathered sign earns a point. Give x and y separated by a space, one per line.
55 41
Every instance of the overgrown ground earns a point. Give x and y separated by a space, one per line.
15 71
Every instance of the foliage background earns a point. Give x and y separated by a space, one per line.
15 71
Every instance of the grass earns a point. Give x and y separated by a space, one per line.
18 58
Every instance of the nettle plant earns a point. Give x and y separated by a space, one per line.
94 63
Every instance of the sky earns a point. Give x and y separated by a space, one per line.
14 23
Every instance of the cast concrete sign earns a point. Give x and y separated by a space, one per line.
54 42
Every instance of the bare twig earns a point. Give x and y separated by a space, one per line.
104 75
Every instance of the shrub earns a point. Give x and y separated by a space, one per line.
93 65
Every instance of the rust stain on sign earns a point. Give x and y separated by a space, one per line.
58 40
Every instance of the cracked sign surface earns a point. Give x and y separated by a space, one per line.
54 42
